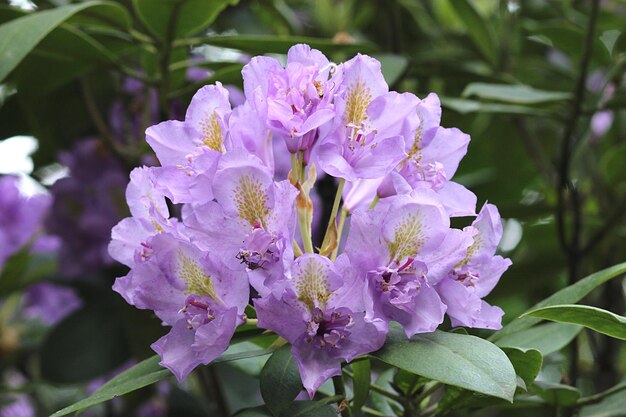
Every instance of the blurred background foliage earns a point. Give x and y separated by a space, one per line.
539 85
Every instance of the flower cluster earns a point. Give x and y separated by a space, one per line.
86 205
21 219
236 241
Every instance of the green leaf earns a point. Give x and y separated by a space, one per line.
567 295
379 401
362 378
465 106
509 93
141 375
612 405
392 66
527 362
264 44
13 271
455 359
191 15
546 338
480 30
556 394
260 411
310 409
280 381
595 318
609 38
18 37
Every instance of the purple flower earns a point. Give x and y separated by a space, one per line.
393 248
433 156
15 405
229 170
189 151
50 303
87 204
19 406
295 100
194 293
21 217
476 275
322 313
150 216
252 222
369 124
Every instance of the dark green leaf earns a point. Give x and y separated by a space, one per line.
570 294
527 362
260 411
546 338
263 44
455 359
362 378
556 394
13 271
612 405
280 381
393 66
18 37
190 16
465 106
310 409
141 375
600 320
478 28
519 94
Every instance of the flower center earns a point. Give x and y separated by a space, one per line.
198 311
327 330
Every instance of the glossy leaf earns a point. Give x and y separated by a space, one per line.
455 359
190 16
527 362
597 319
546 338
280 381
141 375
556 394
508 93
362 374
570 294
18 37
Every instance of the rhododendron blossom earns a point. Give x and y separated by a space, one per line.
243 247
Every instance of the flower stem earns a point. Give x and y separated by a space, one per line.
378 389
342 221
297 251
295 168
374 202
340 390
335 210
373 412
